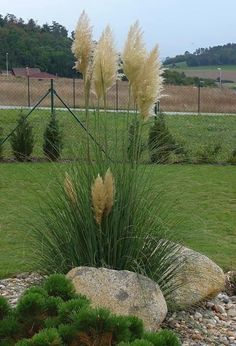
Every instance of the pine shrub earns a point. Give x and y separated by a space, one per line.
163 338
1 145
4 307
161 143
52 146
47 337
22 140
43 320
57 285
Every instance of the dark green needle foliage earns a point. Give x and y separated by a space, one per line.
52 146
22 140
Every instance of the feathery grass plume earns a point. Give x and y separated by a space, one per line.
69 189
110 190
149 83
82 44
134 54
98 199
105 64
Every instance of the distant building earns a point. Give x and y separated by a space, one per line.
25 72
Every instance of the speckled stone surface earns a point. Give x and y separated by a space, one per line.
122 292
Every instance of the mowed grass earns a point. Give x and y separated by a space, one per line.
199 200
194 132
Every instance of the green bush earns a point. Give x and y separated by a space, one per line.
57 285
72 307
47 337
4 307
208 153
41 320
22 140
161 143
1 145
232 158
140 342
163 338
52 146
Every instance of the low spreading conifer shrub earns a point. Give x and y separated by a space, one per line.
52 315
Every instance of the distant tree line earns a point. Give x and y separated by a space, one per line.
218 55
47 47
179 78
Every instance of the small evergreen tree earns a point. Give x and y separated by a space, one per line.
22 140
52 146
1 146
161 143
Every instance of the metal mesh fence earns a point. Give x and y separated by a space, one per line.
205 138
23 92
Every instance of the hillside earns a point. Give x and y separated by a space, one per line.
218 55
47 47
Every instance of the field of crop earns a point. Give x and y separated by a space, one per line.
14 92
228 72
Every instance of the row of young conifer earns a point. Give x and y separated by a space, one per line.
160 142
22 140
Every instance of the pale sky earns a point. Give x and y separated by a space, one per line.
176 25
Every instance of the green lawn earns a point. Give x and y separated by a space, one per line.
200 200
193 132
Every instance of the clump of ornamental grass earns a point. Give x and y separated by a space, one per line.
106 213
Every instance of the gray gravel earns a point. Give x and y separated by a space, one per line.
213 323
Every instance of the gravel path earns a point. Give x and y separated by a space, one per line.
213 323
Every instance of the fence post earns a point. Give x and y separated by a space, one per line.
199 98
200 84
117 96
52 97
73 92
28 88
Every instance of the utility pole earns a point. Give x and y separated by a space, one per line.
7 63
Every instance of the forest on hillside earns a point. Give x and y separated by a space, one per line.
47 47
218 55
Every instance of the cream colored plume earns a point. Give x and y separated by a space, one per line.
105 64
149 83
98 199
103 191
134 54
110 190
70 189
82 45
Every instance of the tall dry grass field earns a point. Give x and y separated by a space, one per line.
14 92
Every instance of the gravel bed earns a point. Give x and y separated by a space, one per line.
213 323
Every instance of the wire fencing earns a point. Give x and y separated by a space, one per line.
25 92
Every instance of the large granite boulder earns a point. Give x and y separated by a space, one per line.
123 292
199 278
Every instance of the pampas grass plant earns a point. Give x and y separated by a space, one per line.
103 212
105 65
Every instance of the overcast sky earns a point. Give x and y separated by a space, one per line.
176 25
